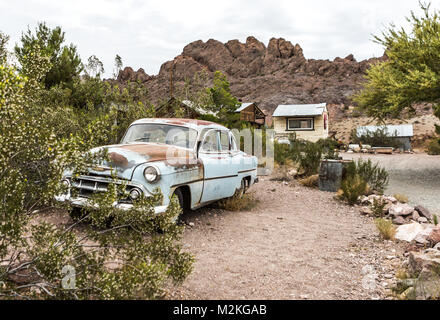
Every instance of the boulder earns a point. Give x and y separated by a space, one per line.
401 209
434 237
415 216
423 212
391 199
425 265
429 259
422 220
366 211
399 220
408 232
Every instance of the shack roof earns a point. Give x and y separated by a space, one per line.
244 106
299 110
403 130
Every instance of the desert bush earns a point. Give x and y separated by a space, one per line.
38 258
434 147
435 219
378 138
311 182
308 155
377 207
386 228
376 177
245 203
353 186
329 146
401 197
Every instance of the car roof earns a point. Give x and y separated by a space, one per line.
190 123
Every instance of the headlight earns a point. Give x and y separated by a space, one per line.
151 174
65 183
134 194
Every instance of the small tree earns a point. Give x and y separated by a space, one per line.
411 72
65 61
94 67
118 66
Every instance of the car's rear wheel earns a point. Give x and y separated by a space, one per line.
239 193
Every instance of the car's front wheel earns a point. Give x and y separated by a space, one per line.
177 218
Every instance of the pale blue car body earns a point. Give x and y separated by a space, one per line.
202 176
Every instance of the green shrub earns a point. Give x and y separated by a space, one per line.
378 138
376 177
377 207
353 187
434 147
308 155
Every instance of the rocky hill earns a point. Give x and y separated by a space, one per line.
272 75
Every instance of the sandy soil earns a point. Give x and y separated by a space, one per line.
299 243
415 175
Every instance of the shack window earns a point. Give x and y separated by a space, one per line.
300 124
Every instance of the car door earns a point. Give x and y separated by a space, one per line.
219 173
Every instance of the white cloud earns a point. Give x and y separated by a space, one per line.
148 33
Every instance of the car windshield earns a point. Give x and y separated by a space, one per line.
161 133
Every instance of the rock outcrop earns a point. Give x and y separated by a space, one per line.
272 75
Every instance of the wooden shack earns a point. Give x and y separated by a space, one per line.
250 112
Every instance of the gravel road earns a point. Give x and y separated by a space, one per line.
299 243
415 175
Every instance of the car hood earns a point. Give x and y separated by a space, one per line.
124 158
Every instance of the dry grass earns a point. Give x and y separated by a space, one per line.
401 197
311 182
235 203
401 274
386 228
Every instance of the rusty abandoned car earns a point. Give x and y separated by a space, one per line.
198 161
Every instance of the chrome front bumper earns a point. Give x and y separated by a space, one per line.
84 202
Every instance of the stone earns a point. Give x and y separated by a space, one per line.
422 220
408 232
429 259
423 212
366 211
415 215
428 284
399 220
408 294
434 237
401 209
391 199
437 246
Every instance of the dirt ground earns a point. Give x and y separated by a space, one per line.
299 243
415 175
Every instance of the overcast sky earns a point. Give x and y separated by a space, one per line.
148 33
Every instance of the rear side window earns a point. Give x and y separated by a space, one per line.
224 140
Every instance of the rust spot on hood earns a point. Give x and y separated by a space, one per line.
173 156
118 160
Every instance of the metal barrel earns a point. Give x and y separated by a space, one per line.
331 173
